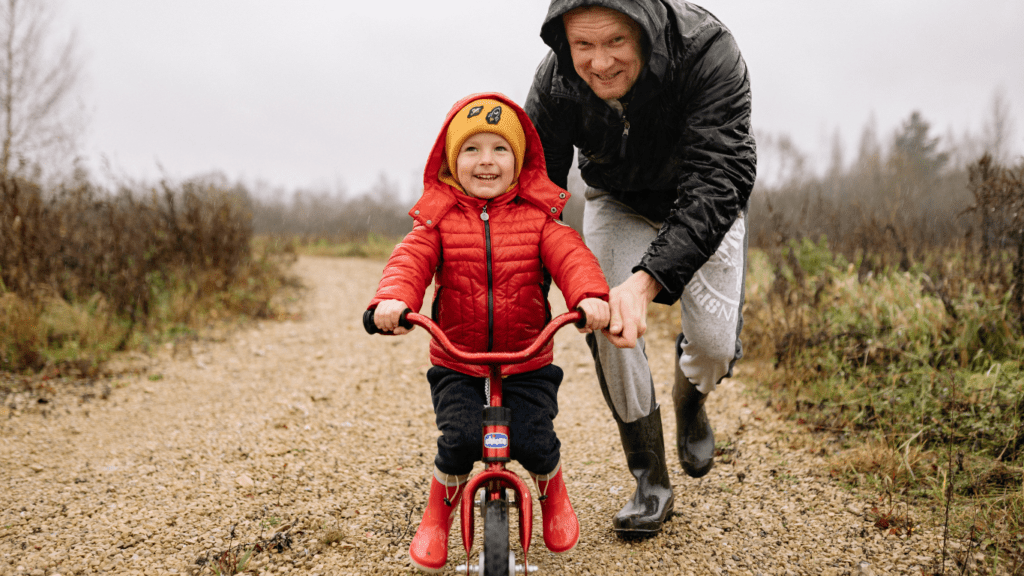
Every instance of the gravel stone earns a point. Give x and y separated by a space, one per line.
314 443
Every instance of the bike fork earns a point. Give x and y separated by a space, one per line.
495 479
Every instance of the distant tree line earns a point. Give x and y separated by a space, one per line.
951 210
891 202
334 216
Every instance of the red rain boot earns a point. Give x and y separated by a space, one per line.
561 527
429 548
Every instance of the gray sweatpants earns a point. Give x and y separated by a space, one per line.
711 305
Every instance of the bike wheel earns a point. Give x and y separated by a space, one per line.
496 548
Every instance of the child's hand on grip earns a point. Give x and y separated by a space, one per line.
597 312
387 314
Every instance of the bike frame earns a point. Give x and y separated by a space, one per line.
495 478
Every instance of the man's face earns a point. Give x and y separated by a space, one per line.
606 49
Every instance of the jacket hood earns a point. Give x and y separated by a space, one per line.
651 15
534 185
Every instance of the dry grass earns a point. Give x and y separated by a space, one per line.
895 339
85 271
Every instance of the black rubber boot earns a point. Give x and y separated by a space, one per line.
652 502
643 443
695 440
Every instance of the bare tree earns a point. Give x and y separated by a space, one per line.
836 157
787 164
997 132
39 75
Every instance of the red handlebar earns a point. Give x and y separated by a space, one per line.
494 357
410 319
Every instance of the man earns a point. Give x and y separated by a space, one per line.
655 95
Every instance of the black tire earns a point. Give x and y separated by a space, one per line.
496 547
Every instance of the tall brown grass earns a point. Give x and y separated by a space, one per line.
83 268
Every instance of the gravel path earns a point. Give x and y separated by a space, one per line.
315 441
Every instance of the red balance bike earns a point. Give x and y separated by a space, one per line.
496 557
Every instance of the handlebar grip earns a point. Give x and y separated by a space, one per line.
368 324
582 322
403 320
371 327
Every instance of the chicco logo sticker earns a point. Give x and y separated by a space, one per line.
496 440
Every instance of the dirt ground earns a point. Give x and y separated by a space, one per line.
310 443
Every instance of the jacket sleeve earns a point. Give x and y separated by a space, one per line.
410 268
717 171
553 124
573 266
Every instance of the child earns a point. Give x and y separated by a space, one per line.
486 229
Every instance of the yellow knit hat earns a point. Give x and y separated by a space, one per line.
485 115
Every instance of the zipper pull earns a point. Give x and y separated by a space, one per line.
483 214
625 136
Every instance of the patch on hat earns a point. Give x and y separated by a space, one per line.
474 111
494 116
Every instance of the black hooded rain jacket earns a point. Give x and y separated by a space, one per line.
688 157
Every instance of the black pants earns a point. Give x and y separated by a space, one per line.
459 403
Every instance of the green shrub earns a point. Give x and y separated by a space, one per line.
904 372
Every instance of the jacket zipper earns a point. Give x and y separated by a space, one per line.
490 279
626 133
625 136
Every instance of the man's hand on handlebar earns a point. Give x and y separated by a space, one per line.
387 314
628 302
597 312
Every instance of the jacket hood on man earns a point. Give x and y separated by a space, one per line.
651 15
534 185
680 150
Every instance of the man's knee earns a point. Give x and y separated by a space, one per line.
707 363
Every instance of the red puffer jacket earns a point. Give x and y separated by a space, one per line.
489 274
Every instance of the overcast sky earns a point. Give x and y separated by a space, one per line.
331 94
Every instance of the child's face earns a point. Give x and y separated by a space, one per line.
485 165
